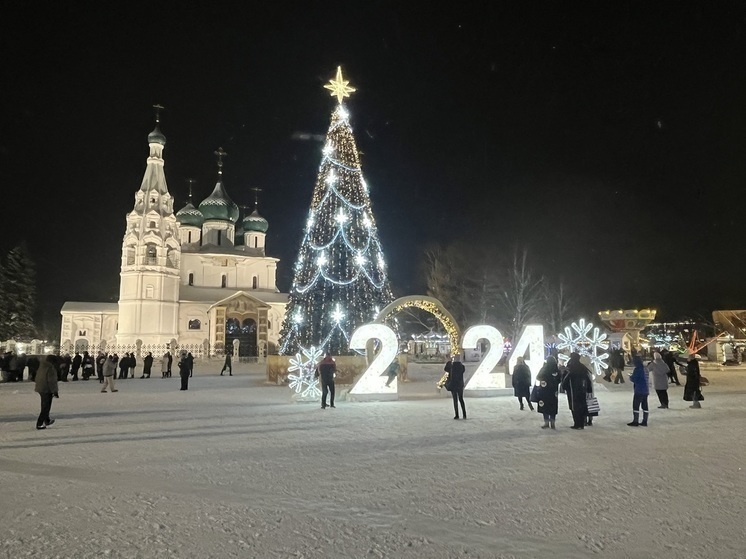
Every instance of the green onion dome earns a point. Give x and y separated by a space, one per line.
157 137
189 215
255 222
218 205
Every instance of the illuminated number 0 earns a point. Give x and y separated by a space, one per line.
372 381
482 379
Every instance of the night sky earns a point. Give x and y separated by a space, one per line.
608 138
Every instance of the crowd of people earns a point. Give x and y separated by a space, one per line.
574 379
577 382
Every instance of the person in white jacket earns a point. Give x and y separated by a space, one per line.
660 371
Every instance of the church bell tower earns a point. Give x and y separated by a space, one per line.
151 254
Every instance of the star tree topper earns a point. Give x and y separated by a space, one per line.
339 86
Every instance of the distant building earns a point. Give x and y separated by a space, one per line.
198 279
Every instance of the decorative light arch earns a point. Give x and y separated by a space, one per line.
429 304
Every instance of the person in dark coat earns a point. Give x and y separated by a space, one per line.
183 365
170 362
190 362
692 390
591 393
89 365
640 378
124 366
326 370
100 360
132 364
548 381
576 384
33 366
46 386
669 358
147 365
522 383
455 384
227 364
64 369
77 360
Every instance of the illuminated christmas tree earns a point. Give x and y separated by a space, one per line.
340 278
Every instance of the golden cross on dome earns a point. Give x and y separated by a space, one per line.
339 86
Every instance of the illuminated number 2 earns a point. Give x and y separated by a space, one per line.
482 379
373 381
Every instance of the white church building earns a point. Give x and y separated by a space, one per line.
197 280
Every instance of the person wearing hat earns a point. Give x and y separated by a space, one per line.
184 371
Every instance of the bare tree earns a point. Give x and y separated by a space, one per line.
559 302
445 271
521 293
483 287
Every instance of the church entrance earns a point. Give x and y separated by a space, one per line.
243 331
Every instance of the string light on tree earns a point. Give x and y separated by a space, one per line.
339 274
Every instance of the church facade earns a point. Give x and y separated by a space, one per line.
198 279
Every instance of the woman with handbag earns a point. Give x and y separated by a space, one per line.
546 392
592 407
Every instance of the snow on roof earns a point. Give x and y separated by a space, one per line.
81 306
215 294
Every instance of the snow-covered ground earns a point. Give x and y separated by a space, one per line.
232 468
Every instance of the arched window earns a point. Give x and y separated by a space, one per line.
130 255
189 236
223 281
152 225
191 278
220 238
195 324
151 255
254 282
269 325
256 242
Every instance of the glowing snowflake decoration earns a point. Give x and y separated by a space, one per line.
578 338
337 314
304 381
341 217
